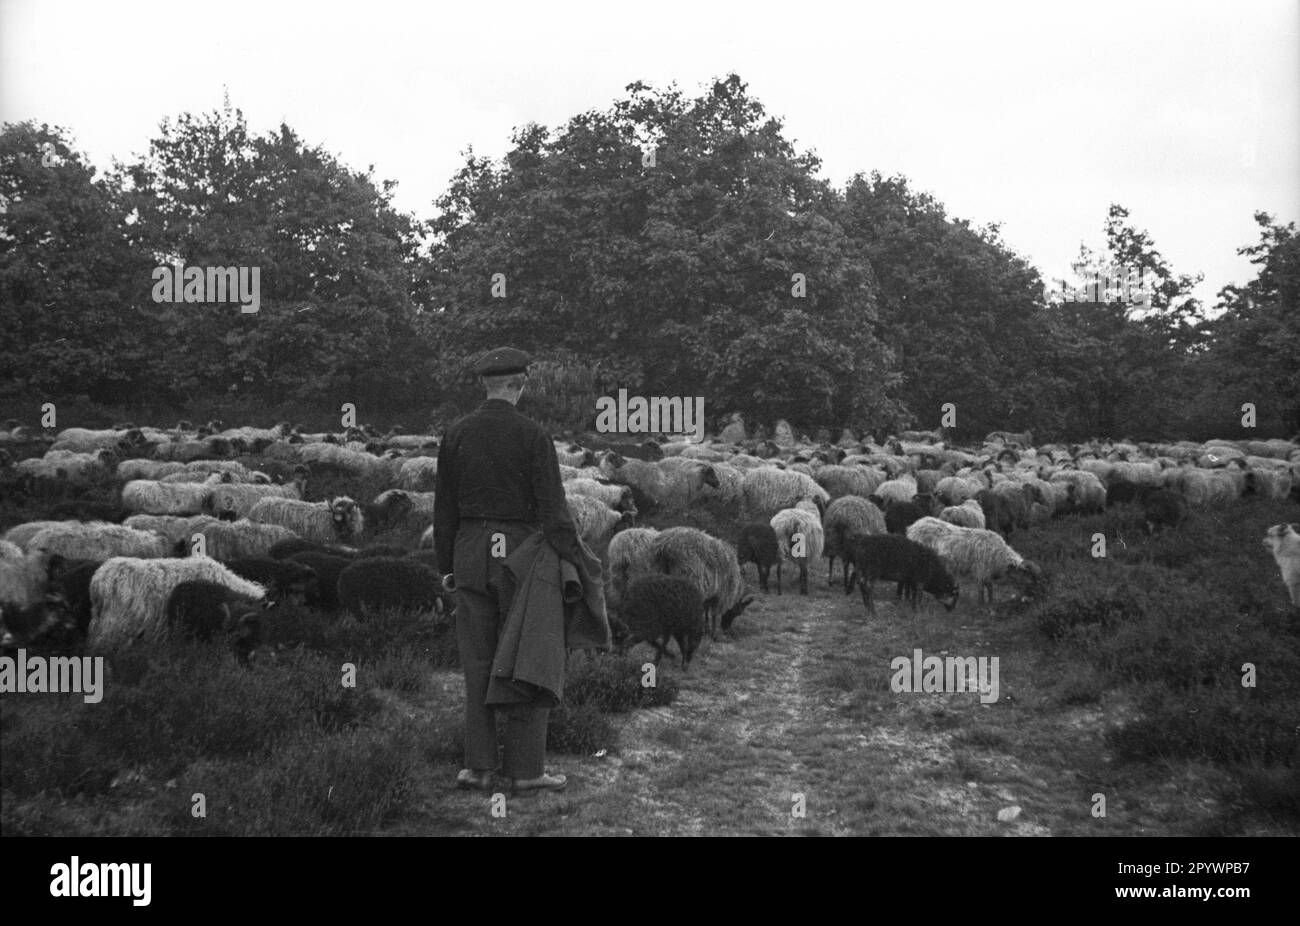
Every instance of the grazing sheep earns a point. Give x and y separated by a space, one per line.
223 540
343 459
889 557
146 497
731 480
596 523
1085 493
902 489
658 608
846 518
323 522
954 490
1283 541
617 497
1162 508
628 558
839 481
798 529
22 533
389 509
764 492
381 549
574 455
967 514
66 469
758 545
85 440
174 529
384 582
1017 498
1268 482
998 515
981 555
128 597
655 486
99 541
154 470
280 578
328 567
708 562
418 473
205 611
237 500
899 516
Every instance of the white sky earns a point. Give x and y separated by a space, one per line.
1035 115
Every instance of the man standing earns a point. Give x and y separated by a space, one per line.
498 483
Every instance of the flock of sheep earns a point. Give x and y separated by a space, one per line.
197 531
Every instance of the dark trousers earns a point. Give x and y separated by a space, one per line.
481 582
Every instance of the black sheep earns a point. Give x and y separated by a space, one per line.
285 549
328 568
892 558
758 545
88 510
382 549
998 514
209 610
1162 508
281 578
659 608
899 516
384 583
1122 492
71 581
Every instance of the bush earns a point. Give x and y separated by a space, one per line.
579 729
611 682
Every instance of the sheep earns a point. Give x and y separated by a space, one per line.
656 486
128 597
902 489
1162 508
839 481
1084 491
889 557
10 550
575 456
324 593
1017 497
954 490
764 492
846 518
388 509
204 610
223 540
280 578
1284 543
658 608
189 450
24 580
66 468
967 514
147 497
100 541
758 545
617 497
84 509
596 524
981 555
236 500
419 473
128 470
708 562
1268 482
174 528
384 582
998 514
381 549
899 516
1204 488
628 557
801 540
22 533
70 580
731 480
323 522
351 462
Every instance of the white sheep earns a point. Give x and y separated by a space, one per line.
846 518
324 522
967 514
708 562
227 540
99 541
981 555
68 467
20 534
418 473
839 481
1284 543
10 550
664 486
629 557
239 498
148 497
174 528
147 469
128 596
596 522
764 492
618 497
800 537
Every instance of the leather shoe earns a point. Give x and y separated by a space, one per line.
474 780
543 783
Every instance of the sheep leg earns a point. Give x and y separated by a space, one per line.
803 577
764 573
778 578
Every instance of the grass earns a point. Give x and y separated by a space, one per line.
1125 679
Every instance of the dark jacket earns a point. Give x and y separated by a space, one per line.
553 606
497 464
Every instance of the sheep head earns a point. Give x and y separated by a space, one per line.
347 517
729 616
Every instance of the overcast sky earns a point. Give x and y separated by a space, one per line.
1034 115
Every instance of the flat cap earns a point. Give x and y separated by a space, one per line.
502 361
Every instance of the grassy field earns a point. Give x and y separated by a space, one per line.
1123 680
